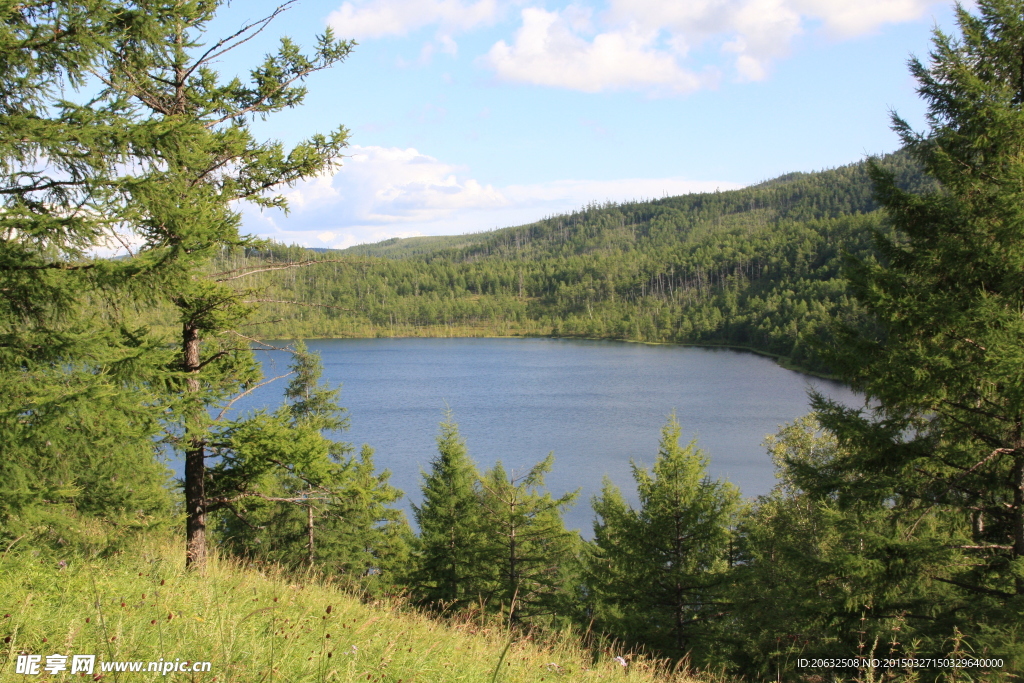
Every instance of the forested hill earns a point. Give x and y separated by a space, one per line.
794 196
757 267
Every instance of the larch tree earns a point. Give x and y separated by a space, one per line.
78 408
787 599
288 492
194 156
525 543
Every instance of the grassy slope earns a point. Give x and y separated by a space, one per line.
142 605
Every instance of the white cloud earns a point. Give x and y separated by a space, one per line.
378 192
661 46
447 45
399 17
547 51
847 19
387 185
387 192
650 44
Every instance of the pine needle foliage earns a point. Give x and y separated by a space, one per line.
660 571
448 569
291 494
940 456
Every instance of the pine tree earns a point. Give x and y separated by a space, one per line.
449 546
660 571
941 354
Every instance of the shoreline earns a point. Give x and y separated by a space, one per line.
781 360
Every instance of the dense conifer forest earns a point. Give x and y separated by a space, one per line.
891 548
758 268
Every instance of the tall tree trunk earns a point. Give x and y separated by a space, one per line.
513 578
1018 513
309 532
195 459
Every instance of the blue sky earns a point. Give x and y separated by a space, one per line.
467 115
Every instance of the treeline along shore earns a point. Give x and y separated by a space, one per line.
757 268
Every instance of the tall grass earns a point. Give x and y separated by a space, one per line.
261 625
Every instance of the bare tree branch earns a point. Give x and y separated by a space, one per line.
273 499
123 242
265 345
249 391
260 322
297 303
213 53
292 264
229 504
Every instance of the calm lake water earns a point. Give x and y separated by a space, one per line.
596 404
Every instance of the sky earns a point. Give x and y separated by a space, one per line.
470 115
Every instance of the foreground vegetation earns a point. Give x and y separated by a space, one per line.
258 623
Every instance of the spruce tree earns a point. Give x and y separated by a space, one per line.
660 571
941 352
448 551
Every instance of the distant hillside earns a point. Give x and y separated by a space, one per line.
794 196
757 268
406 247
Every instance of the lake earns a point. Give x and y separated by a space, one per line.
596 404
